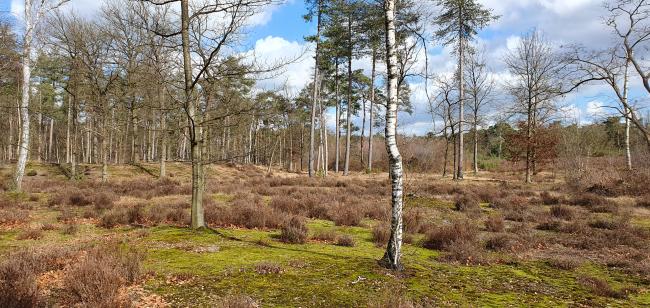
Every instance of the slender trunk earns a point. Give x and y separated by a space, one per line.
348 130
372 107
39 134
312 134
23 151
392 256
51 141
529 136
363 132
628 153
163 137
475 158
337 120
195 131
105 148
323 136
461 93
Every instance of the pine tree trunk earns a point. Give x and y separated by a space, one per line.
461 93
312 134
337 120
348 130
372 103
392 256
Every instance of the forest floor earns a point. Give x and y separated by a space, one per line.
480 242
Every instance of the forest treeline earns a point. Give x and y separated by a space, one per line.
154 81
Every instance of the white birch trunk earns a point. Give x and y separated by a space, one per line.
23 150
392 256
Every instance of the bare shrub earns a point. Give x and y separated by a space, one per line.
414 220
464 252
455 234
495 223
467 203
345 241
103 201
19 271
380 234
595 203
114 218
294 231
548 199
13 216
566 263
325 236
600 287
97 277
562 212
501 242
344 215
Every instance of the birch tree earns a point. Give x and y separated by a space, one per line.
392 256
33 12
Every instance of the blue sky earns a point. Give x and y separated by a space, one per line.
280 30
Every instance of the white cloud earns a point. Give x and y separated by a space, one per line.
272 50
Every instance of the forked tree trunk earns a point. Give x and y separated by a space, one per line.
392 256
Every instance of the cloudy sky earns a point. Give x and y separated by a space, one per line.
279 31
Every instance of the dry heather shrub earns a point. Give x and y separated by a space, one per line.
96 278
345 241
465 252
30 234
548 199
325 236
345 215
19 271
266 268
467 203
562 212
510 203
495 223
380 234
237 301
595 203
294 231
104 201
501 242
566 263
13 216
285 204
456 234
414 220
114 218
600 287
